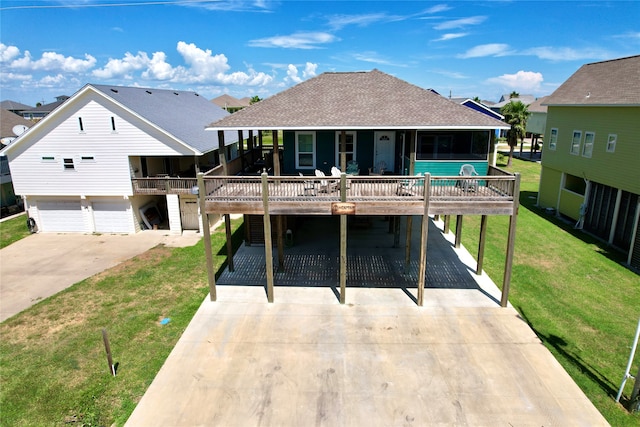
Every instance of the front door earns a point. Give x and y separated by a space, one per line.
384 149
189 213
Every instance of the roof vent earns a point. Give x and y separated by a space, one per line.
196 94
148 91
175 93
588 94
114 90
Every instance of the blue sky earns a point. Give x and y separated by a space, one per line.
247 48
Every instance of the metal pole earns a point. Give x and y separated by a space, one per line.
626 372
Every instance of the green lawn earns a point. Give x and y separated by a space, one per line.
573 291
53 367
13 230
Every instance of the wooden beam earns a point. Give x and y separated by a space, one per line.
396 231
446 224
243 161
227 227
206 233
407 245
268 249
458 230
343 151
343 241
481 242
222 153
511 243
412 152
424 234
276 153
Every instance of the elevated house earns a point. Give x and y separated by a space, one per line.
537 121
114 159
591 155
364 144
14 107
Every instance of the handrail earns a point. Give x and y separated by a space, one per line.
163 185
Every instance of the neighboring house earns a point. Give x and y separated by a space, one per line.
14 107
478 106
37 113
117 160
537 121
11 126
231 104
591 159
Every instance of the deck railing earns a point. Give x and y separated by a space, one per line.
163 185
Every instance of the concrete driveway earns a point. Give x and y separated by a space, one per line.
43 264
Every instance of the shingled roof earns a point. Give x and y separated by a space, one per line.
614 82
356 100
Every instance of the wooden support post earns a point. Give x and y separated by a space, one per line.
412 152
511 243
481 242
227 229
343 151
424 234
446 225
276 153
407 245
280 242
396 232
260 142
458 231
247 230
206 236
222 153
268 249
343 241
243 161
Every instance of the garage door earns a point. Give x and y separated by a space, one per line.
60 216
112 216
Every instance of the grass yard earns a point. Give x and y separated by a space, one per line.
13 230
572 290
53 367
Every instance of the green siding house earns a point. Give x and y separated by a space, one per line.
591 159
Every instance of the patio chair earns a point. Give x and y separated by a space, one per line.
309 187
378 169
353 168
467 170
326 185
411 187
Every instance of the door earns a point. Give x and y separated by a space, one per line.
112 216
384 149
189 213
60 216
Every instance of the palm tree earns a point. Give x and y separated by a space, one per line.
515 115
255 99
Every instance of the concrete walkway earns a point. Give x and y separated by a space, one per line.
43 264
378 360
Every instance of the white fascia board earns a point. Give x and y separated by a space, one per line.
410 127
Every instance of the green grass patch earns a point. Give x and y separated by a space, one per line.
53 367
572 289
13 230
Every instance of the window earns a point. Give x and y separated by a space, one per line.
80 124
68 164
587 149
87 159
305 150
553 138
611 142
49 158
113 124
575 142
351 146
575 184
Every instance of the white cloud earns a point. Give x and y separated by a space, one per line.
14 77
309 70
450 74
7 53
525 81
565 53
51 81
451 36
438 8
341 21
123 67
51 61
301 40
630 35
460 23
491 49
158 68
292 72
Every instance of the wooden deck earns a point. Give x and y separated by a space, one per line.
370 195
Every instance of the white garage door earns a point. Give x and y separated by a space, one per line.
112 216
60 216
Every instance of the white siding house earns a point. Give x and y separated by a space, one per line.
115 160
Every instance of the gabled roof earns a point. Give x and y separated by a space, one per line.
14 106
614 82
227 101
504 100
182 115
356 100
537 105
47 108
8 121
478 106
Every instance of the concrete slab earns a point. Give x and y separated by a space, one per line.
43 264
378 360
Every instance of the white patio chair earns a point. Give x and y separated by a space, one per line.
325 185
467 170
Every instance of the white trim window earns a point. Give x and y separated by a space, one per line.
305 145
68 164
587 148
611 142
48 158
553 138
351 146
575 142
